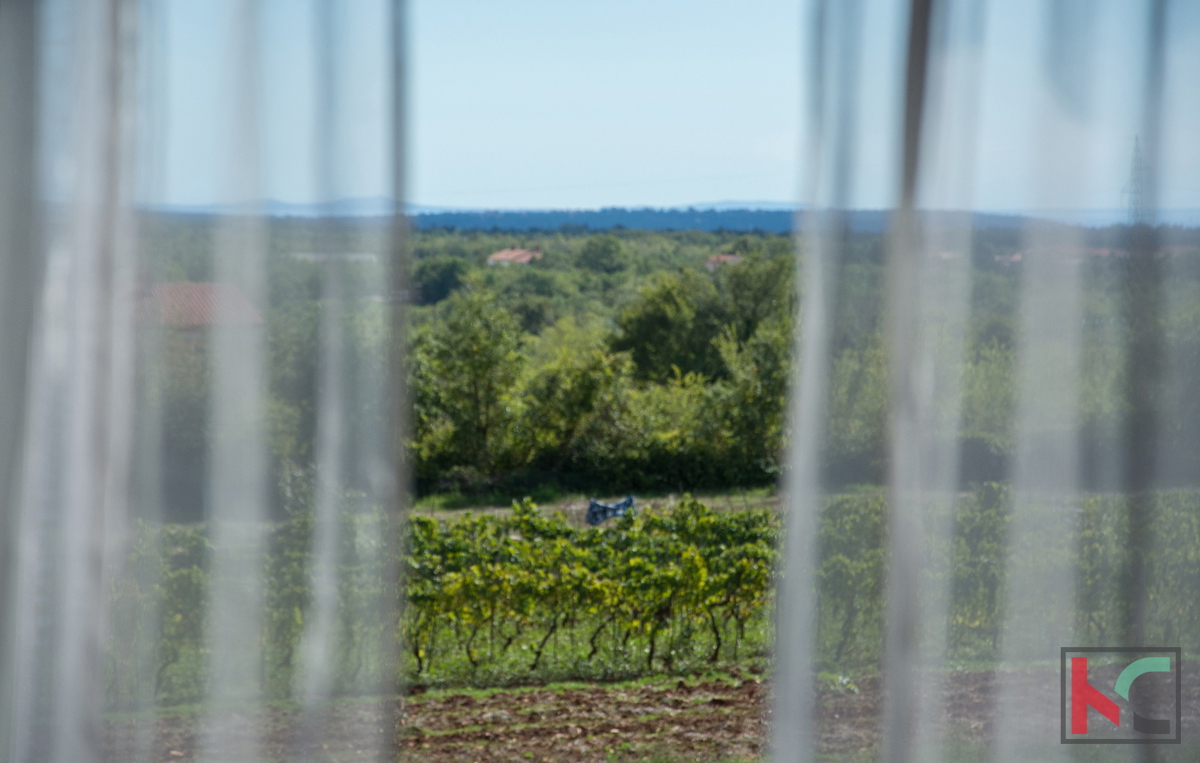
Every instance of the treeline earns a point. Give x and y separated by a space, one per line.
620 361
683 388
562 371
750 220
689 369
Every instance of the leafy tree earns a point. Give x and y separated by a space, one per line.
672 325
749 403
533 313
182 378
755 290
436 277
292 338
576 404
603 254
857 431
468 365
530 294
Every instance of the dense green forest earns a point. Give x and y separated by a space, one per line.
620 361
624 360
614 360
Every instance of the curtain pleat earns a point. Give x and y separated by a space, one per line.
928 94
136 391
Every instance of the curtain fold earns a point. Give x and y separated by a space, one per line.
957 109
144 280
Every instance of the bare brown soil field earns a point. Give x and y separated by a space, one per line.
713 720
660 720
680 720
701 721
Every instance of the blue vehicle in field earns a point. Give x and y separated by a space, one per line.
598 512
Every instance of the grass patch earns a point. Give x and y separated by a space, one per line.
548 494
495 499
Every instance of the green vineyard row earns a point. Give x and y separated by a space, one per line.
524 598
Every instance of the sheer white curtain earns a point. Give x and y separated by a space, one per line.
937 111
146 150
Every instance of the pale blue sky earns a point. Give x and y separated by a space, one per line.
193 100
544 103
551 104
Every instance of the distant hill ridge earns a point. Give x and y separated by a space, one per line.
766 220
772 217
774 221
725 216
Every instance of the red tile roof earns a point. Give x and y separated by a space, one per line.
519 256
197 304
721 259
